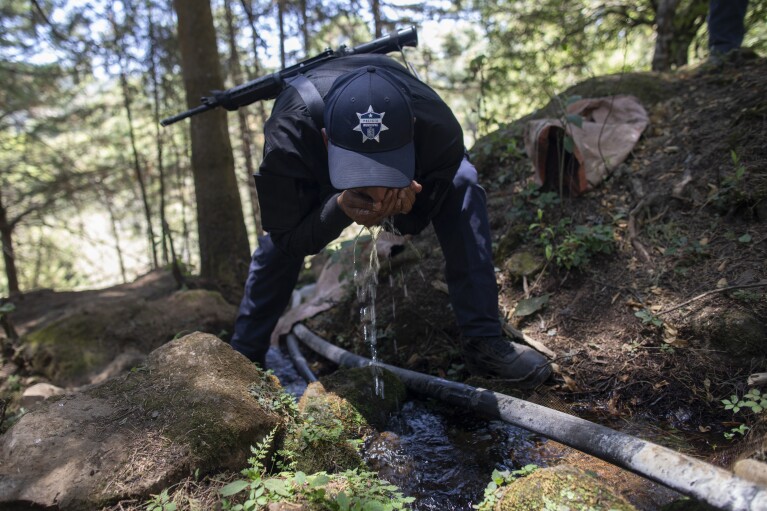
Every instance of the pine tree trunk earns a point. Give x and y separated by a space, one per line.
224 250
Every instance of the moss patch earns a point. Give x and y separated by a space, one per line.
328 433
75 345
566 486
358 386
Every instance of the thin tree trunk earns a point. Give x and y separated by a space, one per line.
115 230
375 6
6 242
281 24
158 132
127 99
304 26
261 109
137 168
246 135
664 34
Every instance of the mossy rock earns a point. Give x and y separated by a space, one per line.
196 406
560 487
734 330
358 386
74 348
76 345
510 241
327 432
523 264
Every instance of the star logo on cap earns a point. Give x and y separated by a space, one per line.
371 124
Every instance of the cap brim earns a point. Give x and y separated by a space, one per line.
391 169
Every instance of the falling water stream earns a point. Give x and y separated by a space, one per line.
366 280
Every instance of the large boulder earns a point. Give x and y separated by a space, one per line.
74 349
196 405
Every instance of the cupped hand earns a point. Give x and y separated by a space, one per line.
371 205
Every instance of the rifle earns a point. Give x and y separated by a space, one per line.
269 86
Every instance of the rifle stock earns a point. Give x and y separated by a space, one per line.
269 86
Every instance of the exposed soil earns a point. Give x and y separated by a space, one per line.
685 222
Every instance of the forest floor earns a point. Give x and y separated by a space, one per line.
652 328
651 331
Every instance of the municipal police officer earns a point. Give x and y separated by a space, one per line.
359 139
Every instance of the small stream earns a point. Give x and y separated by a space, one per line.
443 457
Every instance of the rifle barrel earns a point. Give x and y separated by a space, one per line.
267 87
183 115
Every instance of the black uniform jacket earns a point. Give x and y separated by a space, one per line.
298 203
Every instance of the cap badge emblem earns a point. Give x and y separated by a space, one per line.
371 124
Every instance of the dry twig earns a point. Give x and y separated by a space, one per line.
761 283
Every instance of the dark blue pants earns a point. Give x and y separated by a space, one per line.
725 25
464 235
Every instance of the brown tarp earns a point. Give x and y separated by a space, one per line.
609 129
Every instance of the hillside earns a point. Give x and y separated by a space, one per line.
652 299
653 335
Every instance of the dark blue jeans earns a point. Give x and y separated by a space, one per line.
464 235
725 25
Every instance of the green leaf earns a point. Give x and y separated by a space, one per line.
278 486
6 308
573 99
746 238
319 480
575 119
343 501
233 487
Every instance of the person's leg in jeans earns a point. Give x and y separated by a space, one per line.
464 235
726 25
463 231
271 278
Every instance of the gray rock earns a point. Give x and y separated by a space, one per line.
197 405
39 392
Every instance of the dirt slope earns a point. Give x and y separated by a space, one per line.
688 216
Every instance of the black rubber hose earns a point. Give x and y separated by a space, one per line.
298 359
687 475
